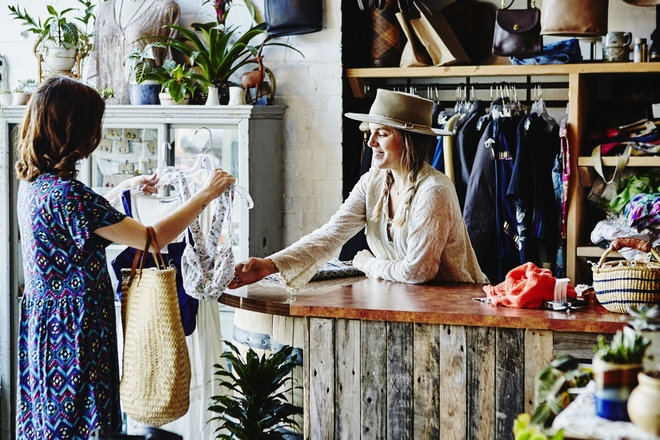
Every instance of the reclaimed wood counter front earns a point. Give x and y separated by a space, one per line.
387 360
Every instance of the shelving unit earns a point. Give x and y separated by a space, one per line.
582 92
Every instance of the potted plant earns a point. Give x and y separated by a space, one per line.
5 97
615 368
215 50
256 406
551 396
59 38
138 66
645 320
23 91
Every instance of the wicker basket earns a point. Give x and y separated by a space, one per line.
621 283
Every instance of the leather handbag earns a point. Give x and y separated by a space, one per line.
584 18
518 31
293 17
156 373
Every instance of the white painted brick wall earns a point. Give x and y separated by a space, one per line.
311 87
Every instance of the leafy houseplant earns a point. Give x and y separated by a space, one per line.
58 36
211 49
258 408
645 320
174 78
23 91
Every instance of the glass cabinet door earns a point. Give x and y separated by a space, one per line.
122 153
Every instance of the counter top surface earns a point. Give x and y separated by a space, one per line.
450 303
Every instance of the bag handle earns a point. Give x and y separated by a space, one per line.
620 164
139 256
635 243
531 4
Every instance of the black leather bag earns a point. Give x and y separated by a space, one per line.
518 31
293 17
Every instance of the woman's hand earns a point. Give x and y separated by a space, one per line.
146 183
251 271
217 183
361 259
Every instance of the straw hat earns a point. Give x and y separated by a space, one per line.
643 2
403 111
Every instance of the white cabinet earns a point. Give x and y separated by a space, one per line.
244 140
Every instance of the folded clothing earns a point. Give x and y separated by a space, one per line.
561 52
525 287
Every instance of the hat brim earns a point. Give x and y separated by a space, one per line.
401 125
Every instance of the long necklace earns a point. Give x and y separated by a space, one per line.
130 20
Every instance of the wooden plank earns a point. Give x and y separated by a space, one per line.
426 387
299 330
347 389
480 386
283 334
539 352
289 331
306 379
321 378
579 345
509 380
453 398
373 371
399 380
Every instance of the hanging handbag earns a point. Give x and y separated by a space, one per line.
158 208
584 18
293 17
518 31
414 54
386 39
437 36
155 382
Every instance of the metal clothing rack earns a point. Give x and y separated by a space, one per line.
428 89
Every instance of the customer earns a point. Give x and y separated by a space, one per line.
68 370
411 212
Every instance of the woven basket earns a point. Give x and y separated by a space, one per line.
622 283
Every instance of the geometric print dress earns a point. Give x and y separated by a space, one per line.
68 368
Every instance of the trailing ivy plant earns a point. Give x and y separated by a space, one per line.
624 349
256 406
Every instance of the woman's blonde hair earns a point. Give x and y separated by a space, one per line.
415 153
62 125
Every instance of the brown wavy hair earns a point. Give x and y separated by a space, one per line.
415 153
62 125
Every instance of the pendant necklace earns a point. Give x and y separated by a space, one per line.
397 190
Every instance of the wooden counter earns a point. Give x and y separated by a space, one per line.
388 360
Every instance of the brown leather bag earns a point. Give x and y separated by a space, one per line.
584 18
518 31
386 38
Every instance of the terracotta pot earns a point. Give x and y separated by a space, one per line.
643 403
614 383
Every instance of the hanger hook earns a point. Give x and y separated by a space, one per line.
210 138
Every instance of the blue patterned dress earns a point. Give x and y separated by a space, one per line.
67 347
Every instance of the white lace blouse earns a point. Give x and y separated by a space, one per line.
112 43
432 245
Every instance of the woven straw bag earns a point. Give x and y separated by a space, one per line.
622 283
155 383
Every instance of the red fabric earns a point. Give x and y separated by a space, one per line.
525 287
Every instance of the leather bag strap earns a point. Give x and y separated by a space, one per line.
530 4
139 256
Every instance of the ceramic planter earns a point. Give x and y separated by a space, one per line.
60 59
614 383
166 99
6 99
145 93
644 403
19 98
